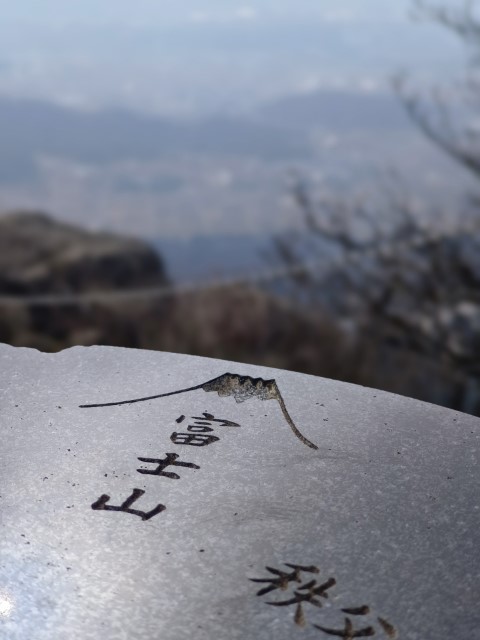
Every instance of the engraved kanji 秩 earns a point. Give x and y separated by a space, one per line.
162 464
101 505
303 592
283 578
310 592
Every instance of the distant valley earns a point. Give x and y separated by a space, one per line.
219 176
202 258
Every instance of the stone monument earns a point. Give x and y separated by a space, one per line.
151 496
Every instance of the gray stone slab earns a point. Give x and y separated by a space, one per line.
373 498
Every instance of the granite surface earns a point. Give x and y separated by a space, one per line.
242 502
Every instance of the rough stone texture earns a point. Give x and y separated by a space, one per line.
40 255
388 505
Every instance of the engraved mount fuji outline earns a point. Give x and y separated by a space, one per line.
242 388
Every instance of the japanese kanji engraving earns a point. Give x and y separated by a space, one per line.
101 505
162 464
314 592
198 434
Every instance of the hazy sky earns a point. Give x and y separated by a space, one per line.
190 58
194 56
161 12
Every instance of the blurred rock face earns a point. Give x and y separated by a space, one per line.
39 255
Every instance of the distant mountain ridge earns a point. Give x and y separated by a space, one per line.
29 129
280 130
340 111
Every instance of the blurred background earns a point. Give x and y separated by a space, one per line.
291 184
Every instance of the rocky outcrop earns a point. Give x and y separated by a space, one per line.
41 255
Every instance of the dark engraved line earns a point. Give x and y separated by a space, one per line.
299 617
199 428
207 418
193 439
101 502
358 611
283 578
321 589
310 596
136 494
161 395
310 569
101 505
162 464
388 628
242 388
348 632
293 427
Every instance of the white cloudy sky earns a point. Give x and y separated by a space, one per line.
197 56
